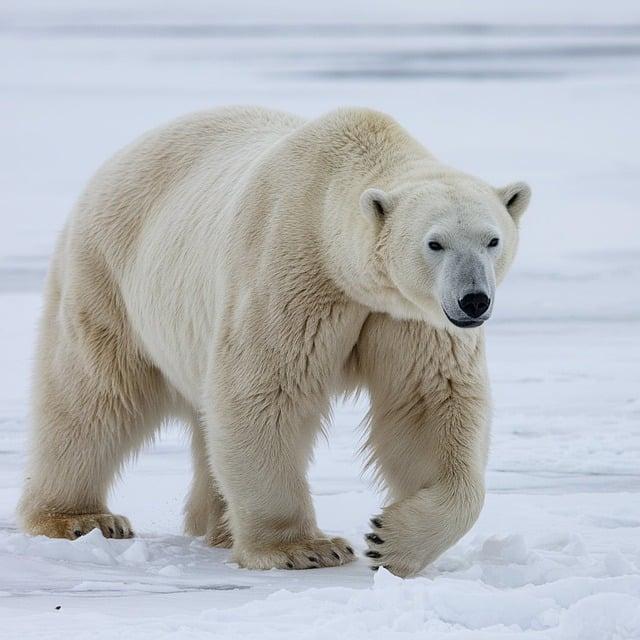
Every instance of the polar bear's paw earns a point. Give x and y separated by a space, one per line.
392 547
72 526
304 554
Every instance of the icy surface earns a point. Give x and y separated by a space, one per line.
548 92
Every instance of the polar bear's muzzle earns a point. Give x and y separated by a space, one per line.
474 307
466 287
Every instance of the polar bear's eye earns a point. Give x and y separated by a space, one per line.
494 242
435 246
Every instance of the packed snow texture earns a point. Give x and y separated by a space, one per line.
547 92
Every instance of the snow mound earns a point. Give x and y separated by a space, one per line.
421 608
91 548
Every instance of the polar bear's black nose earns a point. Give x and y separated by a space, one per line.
474 304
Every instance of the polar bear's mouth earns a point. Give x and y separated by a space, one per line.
463 324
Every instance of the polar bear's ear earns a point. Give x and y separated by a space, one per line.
375 204
516 198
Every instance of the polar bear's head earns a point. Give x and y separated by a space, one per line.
442 246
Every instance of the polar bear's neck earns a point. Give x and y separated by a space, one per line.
312 180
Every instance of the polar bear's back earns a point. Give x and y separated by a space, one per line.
136 236
131 189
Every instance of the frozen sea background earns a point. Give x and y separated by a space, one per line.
547 92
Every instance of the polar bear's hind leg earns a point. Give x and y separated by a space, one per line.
96 399
206 509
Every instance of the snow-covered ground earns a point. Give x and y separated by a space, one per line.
547 92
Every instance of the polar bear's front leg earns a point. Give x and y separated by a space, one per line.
429 424
443 504
432 456
260 445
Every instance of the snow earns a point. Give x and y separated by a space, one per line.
547 92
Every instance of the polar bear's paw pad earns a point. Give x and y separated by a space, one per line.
305 554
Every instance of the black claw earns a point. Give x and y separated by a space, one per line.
376 522
373 568
374 537
111 531
121 532
372 554
312 559
290 565
77 533
350 550
335 555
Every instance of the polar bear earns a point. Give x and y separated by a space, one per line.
238 269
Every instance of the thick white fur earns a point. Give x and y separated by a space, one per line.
220 270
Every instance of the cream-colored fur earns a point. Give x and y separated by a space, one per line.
237 269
